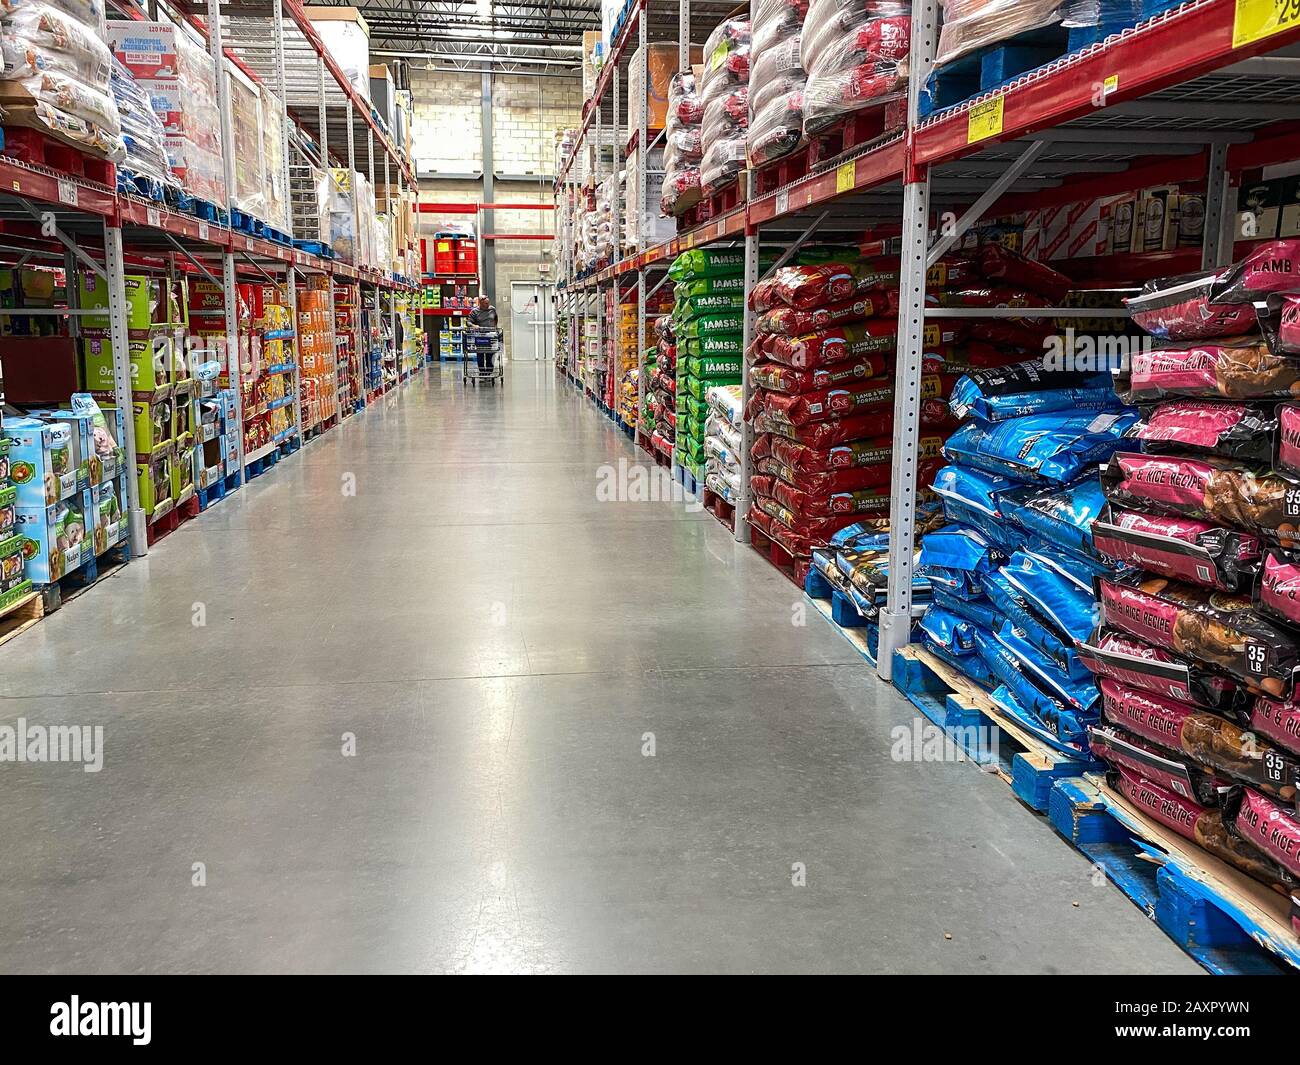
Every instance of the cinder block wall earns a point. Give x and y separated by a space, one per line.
526 113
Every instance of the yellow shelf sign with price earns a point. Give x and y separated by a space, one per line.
845 177
1256 19
984 120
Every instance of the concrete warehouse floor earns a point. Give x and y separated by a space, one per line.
499 642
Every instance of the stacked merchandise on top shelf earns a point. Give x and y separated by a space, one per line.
181 81
684 146
57 74
1198 649
708 321
776 80
724 97
145 165
855 56
1012 574
317 360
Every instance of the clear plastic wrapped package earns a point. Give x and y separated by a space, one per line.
142 132
972 24
855 55
724 91
684 146
90 13
57 75
274 176
776 80
249 193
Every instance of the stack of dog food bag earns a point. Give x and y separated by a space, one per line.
660 367
684 147
1012 573
1198 647
821 395
708 320
855 56
723 439
724 94
776 80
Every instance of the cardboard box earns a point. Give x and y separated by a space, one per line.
1259 211
1123 222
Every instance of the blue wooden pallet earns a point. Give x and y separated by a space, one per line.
1228 923
260 466
862 635
278 236
685 478
290 444
315 247
246 223
218 491
986 735
207 212
81 578
149 188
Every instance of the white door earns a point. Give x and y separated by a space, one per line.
532 321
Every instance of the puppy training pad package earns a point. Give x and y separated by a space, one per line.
1217 628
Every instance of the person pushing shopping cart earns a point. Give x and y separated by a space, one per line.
485 337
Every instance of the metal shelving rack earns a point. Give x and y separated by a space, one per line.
1200 92
104 229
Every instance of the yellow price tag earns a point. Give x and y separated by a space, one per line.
1256 19
984 120
719 54
1110 84
845 177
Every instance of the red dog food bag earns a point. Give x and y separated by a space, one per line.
1179 308
837 344
1207 826
791 322
1279 585
1287 455
777 378
1218 628
1186 548
1138 664
1271 267
1237 368
852 479
1123 750
1265 825
1279 318
1234 430
804 287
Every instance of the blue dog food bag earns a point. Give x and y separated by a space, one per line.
1053 448
999 393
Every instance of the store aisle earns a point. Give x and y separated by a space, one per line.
439 580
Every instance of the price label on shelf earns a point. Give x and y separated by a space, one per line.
783 201
845 176
153 217
203 231
67 192
1254 20
984 120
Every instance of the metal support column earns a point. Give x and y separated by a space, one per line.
487 272
896 618
234 364
115 282
283 90
1220 211
616 131
747 425
684 36
322 116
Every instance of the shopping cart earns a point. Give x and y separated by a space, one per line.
482 356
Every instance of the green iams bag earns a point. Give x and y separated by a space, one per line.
722 344
713 366
699 387
714 324
709 286
707 262
694 306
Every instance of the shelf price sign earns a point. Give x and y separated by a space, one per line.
845 177
1256 19
984 120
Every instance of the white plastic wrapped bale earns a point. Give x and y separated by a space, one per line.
972 24
724 92
855 54
776 80
142 132
274 174
723 438
684 147
57 74
342 215
249 193
346 36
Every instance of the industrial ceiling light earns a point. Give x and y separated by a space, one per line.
484 9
